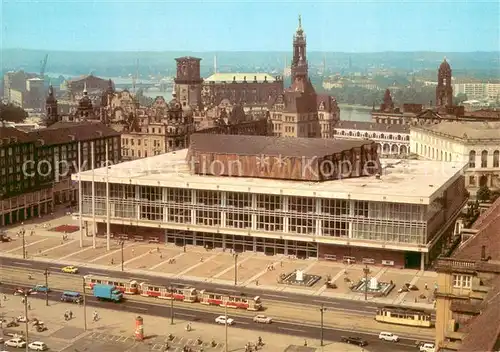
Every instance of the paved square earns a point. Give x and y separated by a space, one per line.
250 267
284 267
90 253
182 262
15 243
154 259
214 266
35 245
71 246
67 333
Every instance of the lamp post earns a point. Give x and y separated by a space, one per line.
25 294
122 242
171 289
322 311
46 273
366 271
84 305
235 269
225 313
23 232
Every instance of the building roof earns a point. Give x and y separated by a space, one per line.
408 181
14 135
270 146
465 130
488 235
65 132
371 126
483 331
240 77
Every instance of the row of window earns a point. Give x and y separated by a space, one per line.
484 159
462 281
372 135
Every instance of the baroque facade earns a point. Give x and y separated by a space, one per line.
476 144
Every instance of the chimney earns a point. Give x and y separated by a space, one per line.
483 253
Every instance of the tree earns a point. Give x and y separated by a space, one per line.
483 194
12 113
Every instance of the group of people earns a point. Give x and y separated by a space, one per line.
68 315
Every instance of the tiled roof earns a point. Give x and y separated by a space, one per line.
466 129
270 146
372 126
483 331
65 132
488 235
14 133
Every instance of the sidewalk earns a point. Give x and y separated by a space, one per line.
121 326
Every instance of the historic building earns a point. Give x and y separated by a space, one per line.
474 143
391 140
188 83
444 89
468 289
306 197
36 166
94 86
298 111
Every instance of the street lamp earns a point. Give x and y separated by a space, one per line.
84 305
46 273
122 242
225 313
23 232
322 311
235 269
26 293
171 290
366 271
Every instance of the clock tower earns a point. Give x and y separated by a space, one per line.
188 82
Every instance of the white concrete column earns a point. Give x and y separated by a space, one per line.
223 209
164 196
319 229
193 204
94 224
254 207
286 218
108 222
422 261
137 197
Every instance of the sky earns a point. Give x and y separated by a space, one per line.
240 25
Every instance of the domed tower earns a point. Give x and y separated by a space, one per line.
85 108
174 107
188 81
299 68
51 108
444 90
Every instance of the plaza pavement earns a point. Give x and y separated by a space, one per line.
213 266
114 331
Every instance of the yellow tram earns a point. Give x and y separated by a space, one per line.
404 316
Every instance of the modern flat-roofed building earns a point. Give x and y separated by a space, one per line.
296 196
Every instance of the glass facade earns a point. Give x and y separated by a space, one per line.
335 218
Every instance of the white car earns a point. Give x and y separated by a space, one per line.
388 336
17 342
21 319
38 346
224 320
262 319
427 347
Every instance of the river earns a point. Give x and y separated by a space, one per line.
355 113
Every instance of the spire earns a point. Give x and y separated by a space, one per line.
300 31
51 90
85 88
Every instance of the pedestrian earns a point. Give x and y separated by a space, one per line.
133 251
29 306
256 282
184 249
425 285
161 256
281 263
158 249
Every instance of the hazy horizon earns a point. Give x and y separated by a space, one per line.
243 26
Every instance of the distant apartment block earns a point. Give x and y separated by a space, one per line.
480 90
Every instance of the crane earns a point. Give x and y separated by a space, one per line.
43 65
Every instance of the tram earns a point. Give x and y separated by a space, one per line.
223 300
125 285
185 294
404 316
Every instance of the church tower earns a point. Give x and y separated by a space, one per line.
299 69
51 108
444 90
188 82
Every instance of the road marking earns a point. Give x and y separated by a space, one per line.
185 315
241 322
325 302
278 296
135 307
288 329
23 264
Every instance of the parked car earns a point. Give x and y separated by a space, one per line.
18 292
12 324
222 319
21 319
427 347
39 288
38 346
70 269
354 340
262 319
15 342
388 336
